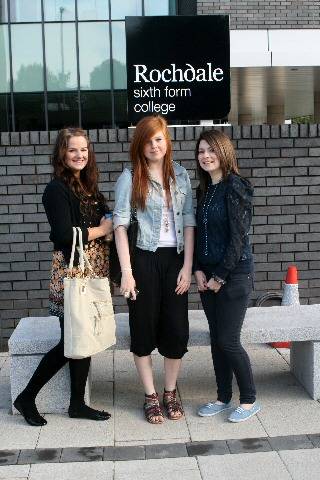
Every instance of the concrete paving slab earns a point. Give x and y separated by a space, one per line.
5 395
18 435
72 471
295 442
102 395
9 457
216 447
14 472
302 464
249 445
158 469
302 417
315 439
62 431
102 367
82 454
173 450
218 427
187 475
245 466
124 453
5 369
130 423
151 442
43 455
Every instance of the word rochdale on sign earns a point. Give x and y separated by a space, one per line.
178 67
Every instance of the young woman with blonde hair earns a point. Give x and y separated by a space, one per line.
160 192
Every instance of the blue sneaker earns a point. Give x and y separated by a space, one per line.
210 409
241 415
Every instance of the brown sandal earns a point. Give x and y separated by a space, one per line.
152 409
172 405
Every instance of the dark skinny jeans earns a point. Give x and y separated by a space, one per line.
225 312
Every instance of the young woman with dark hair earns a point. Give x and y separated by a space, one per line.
160 192
224 268
72 198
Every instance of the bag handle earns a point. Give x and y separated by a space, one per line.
83 259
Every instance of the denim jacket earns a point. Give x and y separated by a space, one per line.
149 220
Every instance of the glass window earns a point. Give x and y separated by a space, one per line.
119 9
94 50
61 62
27 61
93 10
96 109
120 108
29 111
4 60
3 11
5 113
119 55
59 10
63 109
154 7
25 10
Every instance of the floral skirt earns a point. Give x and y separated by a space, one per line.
98 256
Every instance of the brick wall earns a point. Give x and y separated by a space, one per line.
260 14
281 161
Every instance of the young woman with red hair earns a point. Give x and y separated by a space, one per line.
71 199
160 192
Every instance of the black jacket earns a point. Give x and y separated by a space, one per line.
62 207
227 233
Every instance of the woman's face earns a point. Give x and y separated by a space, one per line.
208 160
77 154
155 148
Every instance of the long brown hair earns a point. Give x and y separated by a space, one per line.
88 184
223 148
146 128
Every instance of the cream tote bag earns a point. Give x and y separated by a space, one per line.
89 325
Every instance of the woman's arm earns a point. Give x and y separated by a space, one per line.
239 207
127 281
184 277
105 228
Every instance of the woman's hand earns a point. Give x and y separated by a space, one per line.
128 284
105 226
183 280
213 285
201 280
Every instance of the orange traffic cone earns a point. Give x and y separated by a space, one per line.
290 297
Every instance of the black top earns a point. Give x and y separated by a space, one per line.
64 211
223 222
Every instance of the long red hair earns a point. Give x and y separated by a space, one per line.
146 128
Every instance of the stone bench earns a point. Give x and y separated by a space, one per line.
300 324
32 338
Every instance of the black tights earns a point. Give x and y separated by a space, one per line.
51 363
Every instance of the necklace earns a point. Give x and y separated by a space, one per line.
206 205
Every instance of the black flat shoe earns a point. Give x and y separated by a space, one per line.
89 413
29 411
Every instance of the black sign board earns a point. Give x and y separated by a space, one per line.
178 66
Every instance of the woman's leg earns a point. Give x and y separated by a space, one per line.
143 321
173 328
221 364
232 301
144 368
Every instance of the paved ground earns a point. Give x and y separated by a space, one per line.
282 442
